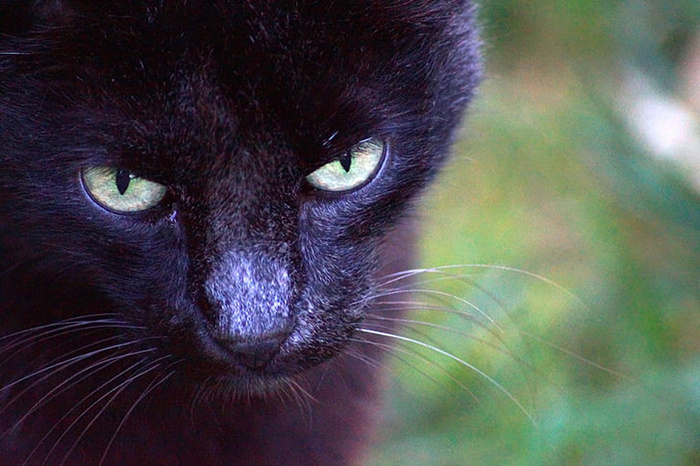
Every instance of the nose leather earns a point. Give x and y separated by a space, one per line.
249 301
255 354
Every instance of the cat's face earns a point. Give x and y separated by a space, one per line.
218 174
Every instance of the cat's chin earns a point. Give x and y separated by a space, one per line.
228 384
244 388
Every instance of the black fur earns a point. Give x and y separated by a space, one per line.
245 280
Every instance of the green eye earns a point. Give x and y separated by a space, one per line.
355 168
121 191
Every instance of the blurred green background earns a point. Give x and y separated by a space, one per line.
580 163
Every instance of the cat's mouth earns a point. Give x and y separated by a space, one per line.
253 355
252 365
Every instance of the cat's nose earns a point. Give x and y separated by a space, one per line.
248 299
255 354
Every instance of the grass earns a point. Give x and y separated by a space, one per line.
551 179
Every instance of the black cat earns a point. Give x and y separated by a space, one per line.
198 202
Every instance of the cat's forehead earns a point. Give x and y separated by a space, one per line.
257 40
313 73
297 78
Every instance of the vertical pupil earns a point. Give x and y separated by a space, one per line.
345 161
123 178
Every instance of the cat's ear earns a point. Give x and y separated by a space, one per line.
21 16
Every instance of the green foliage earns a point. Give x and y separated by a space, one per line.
550 179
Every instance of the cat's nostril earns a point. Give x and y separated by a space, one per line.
254 354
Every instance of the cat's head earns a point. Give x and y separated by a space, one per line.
220 174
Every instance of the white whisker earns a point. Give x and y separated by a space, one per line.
32 336
66 415
112 394
143 396
410 273
454 331
302 397
393 350
415 307
66 358
500 387
71 321
353 353
61 365
73 380
574 355
437 293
